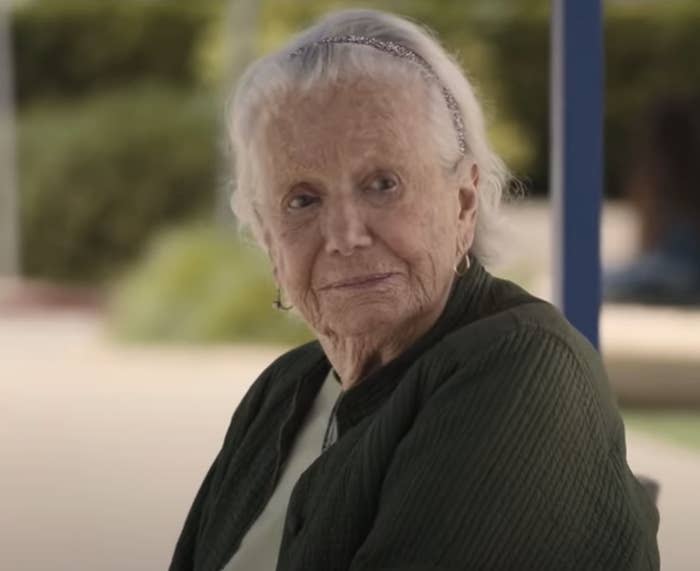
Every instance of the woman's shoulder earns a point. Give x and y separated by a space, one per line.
276 384
281 376
523 365
511 319
297 361
522 343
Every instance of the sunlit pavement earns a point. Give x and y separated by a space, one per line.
103 447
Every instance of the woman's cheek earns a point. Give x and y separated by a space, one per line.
298 267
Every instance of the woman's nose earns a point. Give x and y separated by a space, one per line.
345 228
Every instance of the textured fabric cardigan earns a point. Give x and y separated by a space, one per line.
492 443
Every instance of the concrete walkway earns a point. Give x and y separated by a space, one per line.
103 447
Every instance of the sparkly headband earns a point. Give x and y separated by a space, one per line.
403 52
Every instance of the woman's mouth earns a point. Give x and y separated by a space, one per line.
359 282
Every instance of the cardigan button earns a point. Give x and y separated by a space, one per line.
294 523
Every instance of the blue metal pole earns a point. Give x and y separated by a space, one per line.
576 159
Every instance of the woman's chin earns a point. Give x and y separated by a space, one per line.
365 320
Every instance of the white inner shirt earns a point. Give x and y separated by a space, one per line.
260 546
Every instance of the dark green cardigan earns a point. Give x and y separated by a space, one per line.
493 443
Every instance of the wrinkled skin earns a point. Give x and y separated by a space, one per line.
362 223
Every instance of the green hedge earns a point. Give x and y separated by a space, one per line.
98 177
201 284
69 48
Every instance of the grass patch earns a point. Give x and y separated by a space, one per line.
678 426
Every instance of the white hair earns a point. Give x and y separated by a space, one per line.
260 90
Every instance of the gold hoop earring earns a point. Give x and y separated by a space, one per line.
278 304
465 261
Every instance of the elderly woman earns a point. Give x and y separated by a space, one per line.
444 419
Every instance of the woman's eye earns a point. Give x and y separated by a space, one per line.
383 184
301 201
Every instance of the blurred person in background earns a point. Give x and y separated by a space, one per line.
663 189
443 418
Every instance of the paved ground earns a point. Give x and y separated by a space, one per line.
103 447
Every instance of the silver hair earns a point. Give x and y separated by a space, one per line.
403 52
320 61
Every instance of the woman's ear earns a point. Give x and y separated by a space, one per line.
469 193
468 202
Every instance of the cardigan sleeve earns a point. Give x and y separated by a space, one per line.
183 556
516 462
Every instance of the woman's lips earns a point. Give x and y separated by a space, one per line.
358 282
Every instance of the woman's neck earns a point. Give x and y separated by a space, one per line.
355 357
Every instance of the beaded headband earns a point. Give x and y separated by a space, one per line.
403 52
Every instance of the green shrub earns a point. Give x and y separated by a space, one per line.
98 177
73 47
201 284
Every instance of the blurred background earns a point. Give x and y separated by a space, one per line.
133 317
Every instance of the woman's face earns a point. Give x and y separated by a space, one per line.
362 224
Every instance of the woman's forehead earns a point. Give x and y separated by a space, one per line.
362 118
